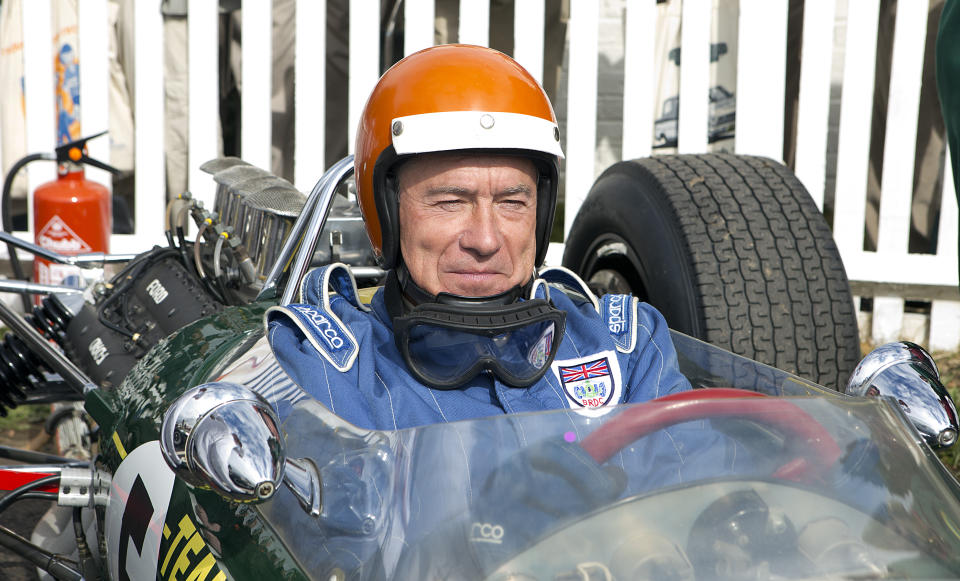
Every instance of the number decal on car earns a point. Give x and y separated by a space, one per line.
134 523
139 499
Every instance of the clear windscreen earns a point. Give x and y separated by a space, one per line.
715 488
705 365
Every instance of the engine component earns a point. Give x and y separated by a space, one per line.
217 165
158 292
268 217
21 370
261 210
152 297
252 209
103 353
235 183
344 239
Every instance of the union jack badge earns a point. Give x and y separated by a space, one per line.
590 384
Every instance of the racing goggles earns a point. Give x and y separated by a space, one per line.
446 345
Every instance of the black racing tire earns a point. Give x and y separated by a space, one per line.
731 249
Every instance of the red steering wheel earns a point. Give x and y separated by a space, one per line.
821 451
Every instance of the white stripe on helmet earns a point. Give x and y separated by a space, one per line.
453 130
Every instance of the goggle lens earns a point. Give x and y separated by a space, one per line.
445 357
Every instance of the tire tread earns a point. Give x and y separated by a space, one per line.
766 269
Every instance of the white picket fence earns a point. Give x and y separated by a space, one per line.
760 89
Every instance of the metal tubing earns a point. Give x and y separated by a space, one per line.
44 560
99 258
34 458
318 218
57 362
367 271
9 285
31 247
283 259
91 258
308 225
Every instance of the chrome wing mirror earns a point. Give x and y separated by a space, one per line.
908 374
225 437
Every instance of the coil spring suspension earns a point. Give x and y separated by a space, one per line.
20 369
51 319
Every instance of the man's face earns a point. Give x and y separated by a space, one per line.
468 223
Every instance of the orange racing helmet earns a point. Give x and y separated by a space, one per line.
452 98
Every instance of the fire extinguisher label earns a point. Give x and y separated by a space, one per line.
65 274
57 236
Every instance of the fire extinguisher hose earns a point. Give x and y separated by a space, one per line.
8 220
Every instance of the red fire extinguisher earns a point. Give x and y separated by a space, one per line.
71 215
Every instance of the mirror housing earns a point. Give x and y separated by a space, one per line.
905 372
224 437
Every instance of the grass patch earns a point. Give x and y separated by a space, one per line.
22 417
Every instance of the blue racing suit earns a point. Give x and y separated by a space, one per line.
614 350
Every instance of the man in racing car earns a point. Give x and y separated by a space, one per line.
457 157
456 166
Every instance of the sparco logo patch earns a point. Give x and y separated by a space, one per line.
619 312
615 320
328 335
483 532
326 329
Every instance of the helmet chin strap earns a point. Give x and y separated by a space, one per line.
401 293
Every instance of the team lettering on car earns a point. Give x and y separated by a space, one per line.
187 555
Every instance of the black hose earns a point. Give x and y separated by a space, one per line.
14 495
39 496
8 220
45 560
182 247
32 457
